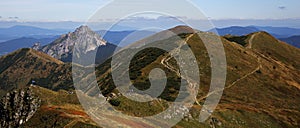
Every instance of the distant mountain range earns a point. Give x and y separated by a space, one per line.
27 36
235 30
289 35
293 40
28 31
23 42
33 35
116 37
36 32
278 32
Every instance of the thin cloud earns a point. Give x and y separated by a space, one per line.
13 17
282 7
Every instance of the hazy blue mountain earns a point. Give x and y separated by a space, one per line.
293 40
119 27
28 31
283 31
6 37
116 37
278 32
23 42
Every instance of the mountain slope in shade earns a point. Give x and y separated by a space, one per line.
20 68
293 40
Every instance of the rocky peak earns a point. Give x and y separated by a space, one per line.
86 40
36 46
83 28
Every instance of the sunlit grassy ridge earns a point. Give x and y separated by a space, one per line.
258 92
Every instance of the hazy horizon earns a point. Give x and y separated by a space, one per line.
68 14
291 23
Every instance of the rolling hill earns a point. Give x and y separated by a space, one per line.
20 68
262 81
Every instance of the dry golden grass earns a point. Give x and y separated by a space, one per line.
262 83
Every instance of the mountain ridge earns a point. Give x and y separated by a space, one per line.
262 81
19 31
278 32
87 40
20 68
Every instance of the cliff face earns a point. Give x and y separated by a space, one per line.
17 107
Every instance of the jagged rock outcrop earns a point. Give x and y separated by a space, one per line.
36 46
17 107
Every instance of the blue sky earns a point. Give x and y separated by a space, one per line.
81 10
250 9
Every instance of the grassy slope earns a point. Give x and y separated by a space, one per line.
19 68
280 51
259 92
59 109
